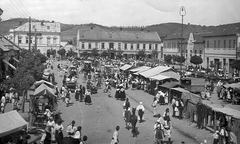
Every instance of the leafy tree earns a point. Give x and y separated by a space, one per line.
196 60
141 53
61 52
94 52
174 58
105 54
54 52
119 54
180 59
71 53
236 64
168 58
49 52
154 53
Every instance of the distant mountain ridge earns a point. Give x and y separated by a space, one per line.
69 31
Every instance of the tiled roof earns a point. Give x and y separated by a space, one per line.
5 43
118 35
227 29
41 27
187 29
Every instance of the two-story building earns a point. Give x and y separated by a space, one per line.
177 43
45 35
9 55
129 42
221 47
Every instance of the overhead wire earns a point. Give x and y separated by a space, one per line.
22 5
12 9
13 12
16 7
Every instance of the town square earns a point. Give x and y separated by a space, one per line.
75 73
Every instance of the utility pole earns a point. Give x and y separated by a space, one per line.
35 47
29 35
182 13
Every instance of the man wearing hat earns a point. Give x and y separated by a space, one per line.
140 109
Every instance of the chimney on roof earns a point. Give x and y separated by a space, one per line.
91 28
188 23
120 29
53 21
141 29
42 22
20 23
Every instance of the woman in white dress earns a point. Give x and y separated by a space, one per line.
51 124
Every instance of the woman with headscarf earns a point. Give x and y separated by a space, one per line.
51 124
140 109
77 93
88 99
78 134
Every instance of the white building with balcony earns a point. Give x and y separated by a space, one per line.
47 34
129 42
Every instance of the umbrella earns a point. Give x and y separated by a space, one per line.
44 90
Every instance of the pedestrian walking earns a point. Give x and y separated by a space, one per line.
173 106
46 137
140 109
115 138
77 93
78 134
216 137
154 105
51 124
59 131
71 129
158 132
88 99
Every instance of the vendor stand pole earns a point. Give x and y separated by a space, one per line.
214 121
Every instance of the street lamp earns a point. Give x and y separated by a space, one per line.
182 13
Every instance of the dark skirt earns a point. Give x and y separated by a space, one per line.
122 95
88 99
77 94
161 100
117 95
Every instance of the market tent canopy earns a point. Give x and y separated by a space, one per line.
228 111
142 68
38 83
159 77
11 122
233 85
125 67
170 85
155 71
186 95
44 90
171 74
6 62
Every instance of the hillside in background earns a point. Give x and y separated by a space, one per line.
69 31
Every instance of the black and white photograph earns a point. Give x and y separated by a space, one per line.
119 72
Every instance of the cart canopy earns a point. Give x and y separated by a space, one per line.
11 122
44 90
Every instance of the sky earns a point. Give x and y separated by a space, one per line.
124 12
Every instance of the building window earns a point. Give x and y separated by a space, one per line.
144 46
207 44
218 43
83 47
190 51
234 43
89 45
195 52
131 46
40 40
150 46
200 52
190 55
48 40
119 46
164 45
125 46
169 44
26 39
230 44
137 46
173 45
186 51
156 46
54 41
186 56
48 27
96 45
19 40
103 46
224 44
215 44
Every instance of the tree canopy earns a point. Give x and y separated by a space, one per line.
71 53
94 52
197 60
105 54
61 52
236 64
168 58
141 54
154 53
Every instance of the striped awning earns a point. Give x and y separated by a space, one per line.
16 59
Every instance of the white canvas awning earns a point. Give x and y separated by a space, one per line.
125 67
11 122
155 71
160 77
6 62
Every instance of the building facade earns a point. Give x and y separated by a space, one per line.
9 55
221 51
128 42
44 36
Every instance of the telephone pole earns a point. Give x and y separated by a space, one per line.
35 47
29 35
